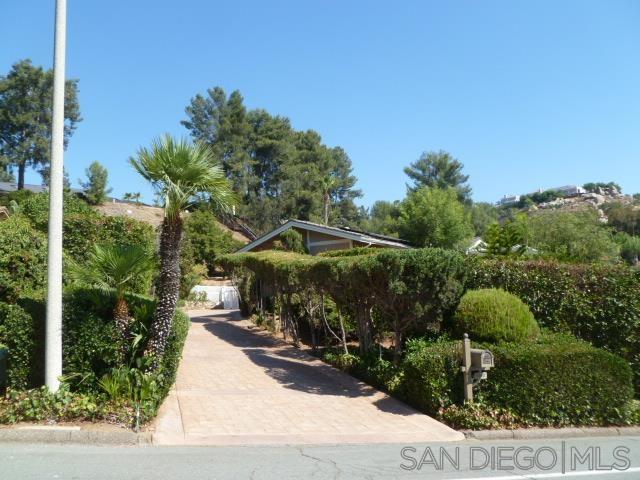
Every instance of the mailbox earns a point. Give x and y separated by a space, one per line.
476 362
481 363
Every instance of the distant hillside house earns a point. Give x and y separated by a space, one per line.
320 238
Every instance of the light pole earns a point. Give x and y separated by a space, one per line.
53 343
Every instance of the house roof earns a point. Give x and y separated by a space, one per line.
8 187
342 232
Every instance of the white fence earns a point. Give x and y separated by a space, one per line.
220 295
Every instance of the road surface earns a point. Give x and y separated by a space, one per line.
378 461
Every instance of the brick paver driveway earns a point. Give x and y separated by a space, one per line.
238 385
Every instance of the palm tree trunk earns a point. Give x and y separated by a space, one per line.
168 290
122 318
327 200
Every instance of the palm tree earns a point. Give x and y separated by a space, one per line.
119 268
179 171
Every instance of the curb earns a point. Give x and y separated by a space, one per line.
65 435
550 433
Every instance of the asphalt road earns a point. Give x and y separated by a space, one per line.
586 458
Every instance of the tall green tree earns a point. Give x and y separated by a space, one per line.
26 104
571 237
95 187
434 217
277 172
483 215
208 238
179 171
383 217
439 170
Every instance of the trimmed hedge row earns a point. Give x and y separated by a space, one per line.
559 381
598 303
554 381
17 333
407 289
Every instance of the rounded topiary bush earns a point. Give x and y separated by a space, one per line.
494 315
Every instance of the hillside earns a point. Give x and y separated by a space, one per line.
150 215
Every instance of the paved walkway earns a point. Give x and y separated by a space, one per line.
238 385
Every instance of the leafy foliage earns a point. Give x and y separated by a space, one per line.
22 259
602 187
290 240
433 217
623 217
95 188
598 303
121 268
629 248
571 237
383 218
483 215
431 374
494 315
208 239
277 172
505 240
26 94
559 381
439 170
17 333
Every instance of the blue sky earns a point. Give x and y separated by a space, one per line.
526 94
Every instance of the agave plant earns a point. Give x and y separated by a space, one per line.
179 171
116 268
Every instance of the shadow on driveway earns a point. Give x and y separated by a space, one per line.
290 367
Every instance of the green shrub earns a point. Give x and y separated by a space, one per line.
173 351
23 259
494 315
208 238
431 374
555 380
91 343
559 380
17 333
291 241
36 208
598 303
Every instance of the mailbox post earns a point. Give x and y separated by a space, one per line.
466 369
476 363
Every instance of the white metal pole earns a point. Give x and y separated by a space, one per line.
53 345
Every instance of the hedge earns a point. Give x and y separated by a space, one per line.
559 381
413 289
597 303
23 259
431 374
17 333
91 343
493 315
554 381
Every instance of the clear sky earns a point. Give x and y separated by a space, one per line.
526 94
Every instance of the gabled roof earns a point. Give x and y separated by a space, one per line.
342 232
7 187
